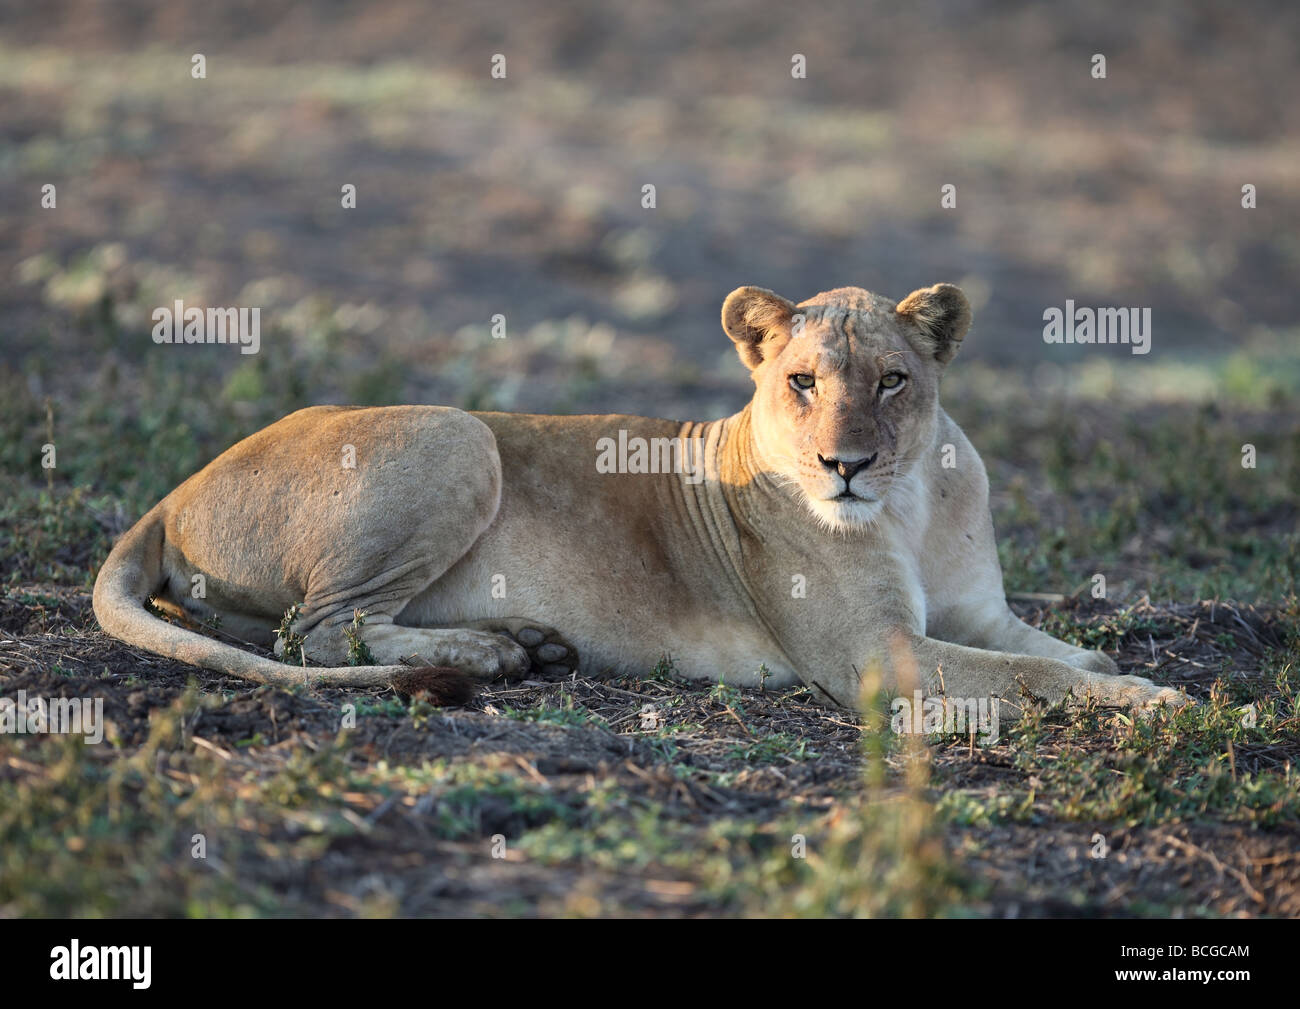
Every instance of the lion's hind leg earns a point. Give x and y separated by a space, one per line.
480 655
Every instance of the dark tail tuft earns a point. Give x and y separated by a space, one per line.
441 686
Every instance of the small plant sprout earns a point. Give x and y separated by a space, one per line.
665 669
359 653
292 643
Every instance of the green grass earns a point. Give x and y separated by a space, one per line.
568 712
1102 633
1160 505
773 748
1183 766
90 836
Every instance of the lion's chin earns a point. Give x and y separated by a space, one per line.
846 513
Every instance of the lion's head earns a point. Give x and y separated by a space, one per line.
847 391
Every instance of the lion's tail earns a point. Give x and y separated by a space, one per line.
134 570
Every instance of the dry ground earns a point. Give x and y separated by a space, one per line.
603 812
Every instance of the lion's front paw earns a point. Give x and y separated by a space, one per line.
1134 692
1157 697
1094 662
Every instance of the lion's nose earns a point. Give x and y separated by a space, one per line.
848 468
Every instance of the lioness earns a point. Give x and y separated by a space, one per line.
814 533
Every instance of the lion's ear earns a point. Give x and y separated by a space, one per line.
758 321
939 316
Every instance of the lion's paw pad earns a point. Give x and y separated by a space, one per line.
551 652
550 655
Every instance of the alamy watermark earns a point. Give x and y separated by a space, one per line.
941 714
1130 326
179 324
75 962
59 715
651 455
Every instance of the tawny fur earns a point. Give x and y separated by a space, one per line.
823 536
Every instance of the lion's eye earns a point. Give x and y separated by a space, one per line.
892 380
803 381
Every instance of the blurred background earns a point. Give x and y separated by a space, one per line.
523 197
